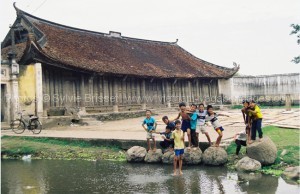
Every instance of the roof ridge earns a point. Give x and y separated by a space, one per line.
206 62
21 12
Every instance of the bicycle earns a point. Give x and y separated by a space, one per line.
19 125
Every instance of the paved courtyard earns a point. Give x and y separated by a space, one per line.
131 128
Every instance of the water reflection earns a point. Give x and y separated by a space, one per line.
56 176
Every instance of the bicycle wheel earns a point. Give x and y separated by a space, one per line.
18 126
36 126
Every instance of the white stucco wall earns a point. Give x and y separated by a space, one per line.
267 87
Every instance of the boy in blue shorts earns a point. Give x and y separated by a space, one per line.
185 125
150 128
178 136
213 118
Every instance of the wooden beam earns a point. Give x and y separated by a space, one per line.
175 81
124 79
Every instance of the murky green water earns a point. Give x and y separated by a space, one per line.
58 176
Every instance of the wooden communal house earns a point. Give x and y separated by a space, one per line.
60 67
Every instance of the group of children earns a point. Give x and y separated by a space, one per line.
253 120
195 120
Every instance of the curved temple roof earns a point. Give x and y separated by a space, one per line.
112 53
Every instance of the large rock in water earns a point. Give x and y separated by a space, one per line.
292 173
154 157
136 154
263 151
168 157
214 156
248 164
192 156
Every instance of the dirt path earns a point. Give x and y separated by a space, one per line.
131 128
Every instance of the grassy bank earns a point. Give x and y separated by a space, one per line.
284 139
47 148
266 107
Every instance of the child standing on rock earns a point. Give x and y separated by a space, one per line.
193 123
256 115
213 118
245 112
178 137
185 126
149 125
201 122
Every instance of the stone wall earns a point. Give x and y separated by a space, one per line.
267 89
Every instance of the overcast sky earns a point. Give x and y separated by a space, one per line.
252 33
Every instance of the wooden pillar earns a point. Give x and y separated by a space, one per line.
14 97
163 93
114 97
187 92
46 91
167 94
105 91
197 91
91 91
82 94
38 90
143 94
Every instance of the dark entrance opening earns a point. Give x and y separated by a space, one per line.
3 102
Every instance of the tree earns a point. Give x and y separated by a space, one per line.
296 30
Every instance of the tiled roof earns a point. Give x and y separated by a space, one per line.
104 53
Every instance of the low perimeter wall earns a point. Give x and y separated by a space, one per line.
266 89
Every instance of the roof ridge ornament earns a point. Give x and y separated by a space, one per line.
114 34
19 12
236 66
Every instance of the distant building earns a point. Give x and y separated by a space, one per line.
61 67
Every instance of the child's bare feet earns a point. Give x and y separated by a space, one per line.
174 174
180 172
154 150
250 142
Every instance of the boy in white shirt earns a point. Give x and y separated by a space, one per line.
213 118
201 113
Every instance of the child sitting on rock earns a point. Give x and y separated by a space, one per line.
167 142
213 118
178 137
150 124
240 140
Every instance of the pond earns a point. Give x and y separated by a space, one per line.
60 176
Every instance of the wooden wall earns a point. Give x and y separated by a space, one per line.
62 88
